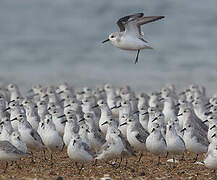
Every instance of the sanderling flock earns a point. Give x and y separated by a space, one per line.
107 123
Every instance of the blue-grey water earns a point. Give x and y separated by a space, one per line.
50 41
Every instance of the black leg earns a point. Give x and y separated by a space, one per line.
6 167
119 165
95 162
81 169
44 155
137 56
195 159
51 159
32 158
140 157
17 165
126 163
167 155
158 163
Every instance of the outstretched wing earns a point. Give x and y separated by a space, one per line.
145 20
133 22
124 20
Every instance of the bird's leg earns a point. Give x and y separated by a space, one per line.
126 163
137 56
195 159
158 163
6 167
119 165
17 165
174 162
140 157
51 159
95 162
44 152
79 169
32 158
167 155
183 157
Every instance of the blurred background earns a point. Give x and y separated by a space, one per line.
51 41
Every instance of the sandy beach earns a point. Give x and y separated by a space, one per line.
146 169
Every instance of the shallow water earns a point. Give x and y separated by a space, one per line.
49 41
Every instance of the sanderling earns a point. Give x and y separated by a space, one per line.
155 142
9 152
175 144
78 151
130 36
136 134
194 142
17 141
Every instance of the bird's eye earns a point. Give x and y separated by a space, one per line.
112 36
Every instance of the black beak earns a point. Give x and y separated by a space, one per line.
180 114
125 123
62 116
153 130
177 105
212 127
183 130
67 106
74 142
95 106
113 107
105 40
13 119
60 92
87 130
213 135
7 109
1 123
63 122
207 113
145 113
118 106
106 122
137 112
81 120
205 121
154 119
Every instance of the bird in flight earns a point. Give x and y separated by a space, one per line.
130 36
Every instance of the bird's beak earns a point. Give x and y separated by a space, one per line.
114 107
61 116
205 121
125 123
13 119
105 40
106 122
63 122
81 120
154 119
213 135
74 142
7 109
95 106
183 130
212 127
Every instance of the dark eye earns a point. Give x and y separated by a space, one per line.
112 36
